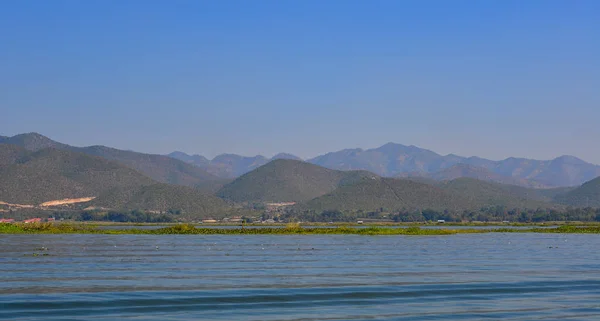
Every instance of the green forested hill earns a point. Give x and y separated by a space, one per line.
10 154
474 172
284 180
586 195
184 200
388 193
483 193
158 167
31 178
458 194
51 174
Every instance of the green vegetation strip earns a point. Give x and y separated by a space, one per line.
53 228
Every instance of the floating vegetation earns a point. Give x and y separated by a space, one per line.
46 228
37 254
293 228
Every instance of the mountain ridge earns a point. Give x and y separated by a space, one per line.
32 178
392 159
586 195
286 180
397 160
462 170
229 166
389 194
388 160
158 167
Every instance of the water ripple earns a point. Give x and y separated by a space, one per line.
328 277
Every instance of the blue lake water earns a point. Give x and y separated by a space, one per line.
300 277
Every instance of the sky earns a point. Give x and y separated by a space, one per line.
487 78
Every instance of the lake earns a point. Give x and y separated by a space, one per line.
516 276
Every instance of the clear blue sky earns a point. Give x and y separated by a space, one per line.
488 78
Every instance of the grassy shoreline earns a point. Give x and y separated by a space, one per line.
290 229
319 224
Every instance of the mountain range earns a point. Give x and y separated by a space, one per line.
288 180
35 170
32 178
229 166
396 160
158 167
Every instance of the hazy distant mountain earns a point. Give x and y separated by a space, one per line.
197 160
396 160
45 170
393 159
388 160
471 171
286 156
285 180
229 165
158 167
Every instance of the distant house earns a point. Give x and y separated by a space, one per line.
359 222
51 219
33 220
441 221
210 220
7 220
269 221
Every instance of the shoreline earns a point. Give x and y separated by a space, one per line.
290 229
337 224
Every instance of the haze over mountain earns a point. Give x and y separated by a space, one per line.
393 159
399 160
471 171
35 169
389 160
229 165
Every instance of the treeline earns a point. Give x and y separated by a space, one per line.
116 216
488 214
